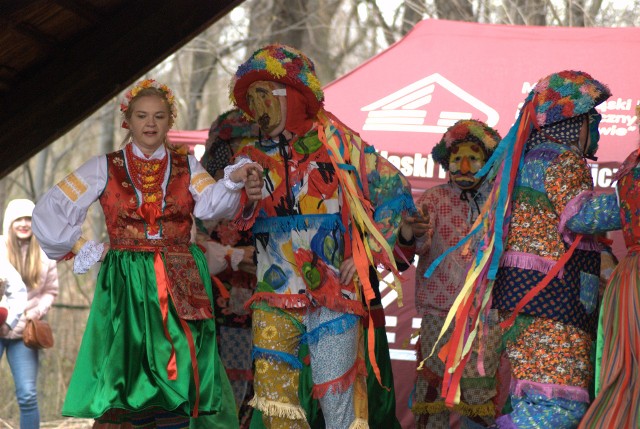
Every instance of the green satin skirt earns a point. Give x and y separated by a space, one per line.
121 367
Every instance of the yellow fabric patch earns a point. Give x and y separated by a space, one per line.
201 181
480 410
73 186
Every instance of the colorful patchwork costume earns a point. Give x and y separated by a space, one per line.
328 196
452 210
533 261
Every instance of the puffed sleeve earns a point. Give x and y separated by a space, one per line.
15 293
213 199
592 214
58 216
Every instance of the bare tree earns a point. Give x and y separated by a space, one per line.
459 10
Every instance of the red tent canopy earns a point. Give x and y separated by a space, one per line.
403 99
189 137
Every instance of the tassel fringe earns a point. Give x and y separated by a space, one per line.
280 301
285 224
333 327
340 384
260 353
337 303
278 409
359 424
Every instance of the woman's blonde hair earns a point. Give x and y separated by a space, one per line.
29 266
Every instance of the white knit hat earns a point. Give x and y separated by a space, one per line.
15 210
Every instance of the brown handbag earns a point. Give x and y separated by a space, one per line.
37 334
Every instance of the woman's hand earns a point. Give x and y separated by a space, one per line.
4 330
107 246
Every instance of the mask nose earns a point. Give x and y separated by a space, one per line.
465 165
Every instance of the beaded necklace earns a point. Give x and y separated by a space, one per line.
147 175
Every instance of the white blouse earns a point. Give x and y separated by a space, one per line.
58 216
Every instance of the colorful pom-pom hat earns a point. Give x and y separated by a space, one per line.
468 130
565 95
277 63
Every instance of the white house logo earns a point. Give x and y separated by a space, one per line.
407 109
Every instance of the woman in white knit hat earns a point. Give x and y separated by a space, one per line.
39 273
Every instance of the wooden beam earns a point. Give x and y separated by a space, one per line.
28 30
83 9
7 7
46 103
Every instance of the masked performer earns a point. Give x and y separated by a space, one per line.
331 208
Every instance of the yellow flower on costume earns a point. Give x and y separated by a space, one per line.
270 332
261 366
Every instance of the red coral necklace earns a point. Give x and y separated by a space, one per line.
147 175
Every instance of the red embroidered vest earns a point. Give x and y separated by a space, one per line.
127 230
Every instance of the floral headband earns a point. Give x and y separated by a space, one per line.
145 84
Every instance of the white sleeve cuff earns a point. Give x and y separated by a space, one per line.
228 183
88 255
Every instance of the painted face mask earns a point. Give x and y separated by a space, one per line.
466 159
594 134
264 106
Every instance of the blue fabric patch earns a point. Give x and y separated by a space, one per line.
537 411
297 222
589 285
333 327
287 358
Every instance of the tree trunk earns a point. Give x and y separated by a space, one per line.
527 12
289 22
202 61
412 14
576 13
458 10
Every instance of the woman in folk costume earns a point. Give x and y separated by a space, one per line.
331 208
149 354
617 402
451 210
537 262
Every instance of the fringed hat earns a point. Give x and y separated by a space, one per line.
468 130
565 95
278 63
